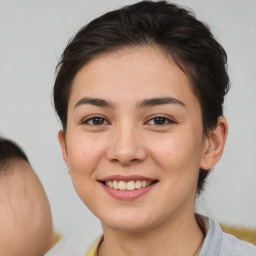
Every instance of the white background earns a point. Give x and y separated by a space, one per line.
33 34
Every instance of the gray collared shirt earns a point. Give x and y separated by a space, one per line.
218 243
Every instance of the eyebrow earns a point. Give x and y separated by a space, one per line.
95 102
159 101
143 104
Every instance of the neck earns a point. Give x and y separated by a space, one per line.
178 237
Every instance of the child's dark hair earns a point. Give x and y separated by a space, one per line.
9 150
172 28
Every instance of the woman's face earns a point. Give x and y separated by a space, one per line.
133 121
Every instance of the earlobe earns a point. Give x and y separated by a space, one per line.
214 144
63 146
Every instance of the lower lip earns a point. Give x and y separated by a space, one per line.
128 194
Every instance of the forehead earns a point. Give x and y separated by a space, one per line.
19 181
142 71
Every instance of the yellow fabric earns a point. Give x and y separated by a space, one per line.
93 250
56 238
243 233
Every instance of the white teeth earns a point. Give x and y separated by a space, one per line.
115 184
130 185
122 185
138 184
143 184
110 184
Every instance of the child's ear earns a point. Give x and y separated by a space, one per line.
62 141
214 144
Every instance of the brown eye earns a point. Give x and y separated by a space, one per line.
160 120
95 121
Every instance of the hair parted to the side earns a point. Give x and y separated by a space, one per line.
8 151
172 28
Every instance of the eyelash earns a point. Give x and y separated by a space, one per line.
102 120
98 121
164 119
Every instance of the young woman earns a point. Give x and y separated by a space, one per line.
140 93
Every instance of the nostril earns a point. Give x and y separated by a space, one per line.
125 147
126 157
126 161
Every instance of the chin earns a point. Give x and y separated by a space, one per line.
128 223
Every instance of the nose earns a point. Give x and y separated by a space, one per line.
126 146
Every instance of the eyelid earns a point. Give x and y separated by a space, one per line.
87 119
168 118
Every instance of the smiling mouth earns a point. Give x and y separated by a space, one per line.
128 185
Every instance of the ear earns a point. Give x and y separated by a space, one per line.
62 141
214 144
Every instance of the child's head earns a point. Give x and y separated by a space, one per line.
25 216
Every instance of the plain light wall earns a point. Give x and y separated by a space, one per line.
33 34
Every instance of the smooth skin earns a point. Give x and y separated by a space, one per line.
148 122
25 214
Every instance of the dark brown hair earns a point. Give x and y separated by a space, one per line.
9 150
174 29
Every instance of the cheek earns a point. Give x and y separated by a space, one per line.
84 155
177 153
179 159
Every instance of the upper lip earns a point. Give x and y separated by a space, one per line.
126 178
